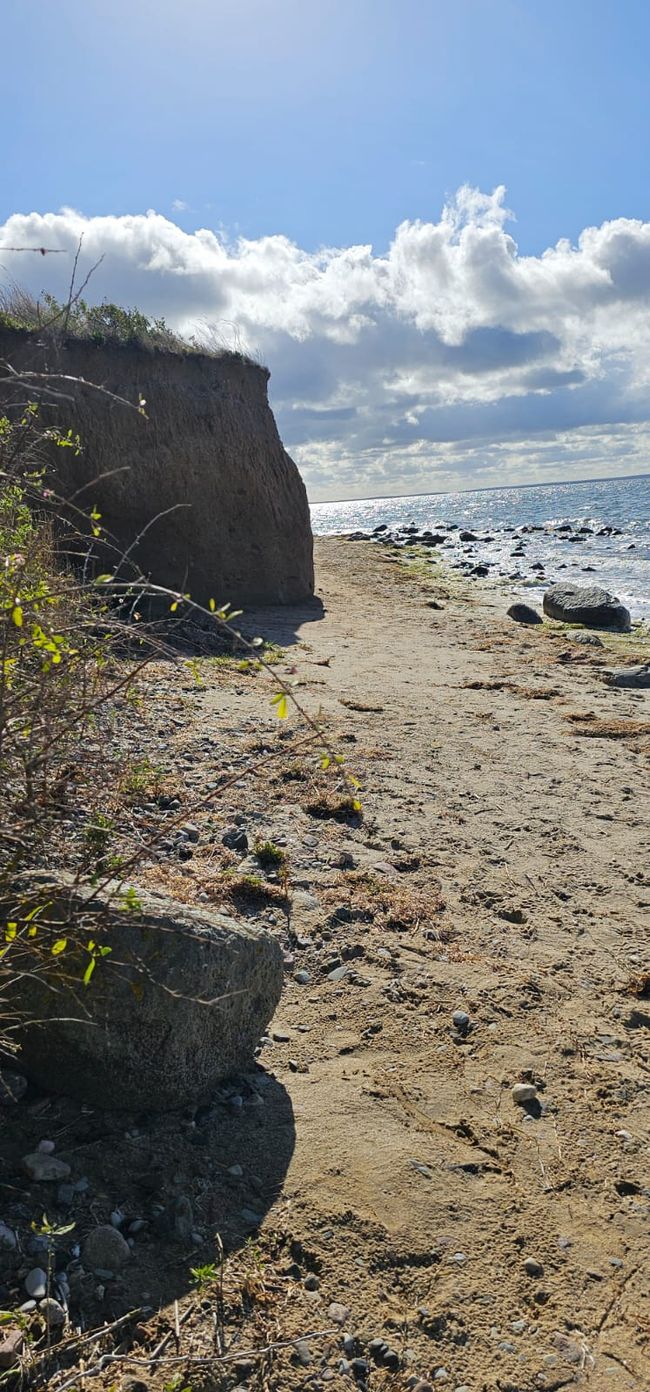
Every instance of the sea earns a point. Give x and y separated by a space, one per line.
619 563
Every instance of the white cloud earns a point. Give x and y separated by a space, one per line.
450 360
179 206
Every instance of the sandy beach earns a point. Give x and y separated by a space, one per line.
375 1178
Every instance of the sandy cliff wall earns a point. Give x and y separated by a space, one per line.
210 443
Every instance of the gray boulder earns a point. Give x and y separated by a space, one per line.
524 613
635 677
591 606
178 1002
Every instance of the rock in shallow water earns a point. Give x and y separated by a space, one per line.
179 1002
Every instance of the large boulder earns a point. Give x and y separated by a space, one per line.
200 492
177 1002
591 606
637 678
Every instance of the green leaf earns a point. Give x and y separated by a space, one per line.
89 971
281 707
59 946
17 616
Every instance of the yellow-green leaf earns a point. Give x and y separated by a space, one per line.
89 971
59 946
17 616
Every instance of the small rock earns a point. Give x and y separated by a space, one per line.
236 1171
53 1312
635 677
235 839
302 977
533 1267
303 1353
338 1313
523 1093
46 1147
461 1020
311 1282
183 1219
11 1347
134 1384
45 1169
36 1283
8 1239
105 1249
65 1195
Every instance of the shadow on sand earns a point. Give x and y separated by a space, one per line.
181 1178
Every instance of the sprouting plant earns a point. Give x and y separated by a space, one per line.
270 856
204 1276
51 1231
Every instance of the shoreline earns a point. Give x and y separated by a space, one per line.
483 925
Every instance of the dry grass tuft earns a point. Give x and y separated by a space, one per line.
588 724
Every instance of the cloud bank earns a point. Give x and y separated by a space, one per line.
449 361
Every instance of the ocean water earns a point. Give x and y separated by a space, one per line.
617 563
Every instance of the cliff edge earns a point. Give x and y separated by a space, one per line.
202 485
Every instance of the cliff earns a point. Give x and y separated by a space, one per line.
209 443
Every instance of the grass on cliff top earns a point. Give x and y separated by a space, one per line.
105 324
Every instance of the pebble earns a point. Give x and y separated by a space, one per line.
36 1283
53 1312
45 1169
302 977
11 1348
46 1147
236 1171
311 1282
440 1375
105 1249
338 1313
533 1267
461 1020
8 1239
523 1093
303 1353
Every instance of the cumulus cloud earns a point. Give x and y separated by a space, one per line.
448 361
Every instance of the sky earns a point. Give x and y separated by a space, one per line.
430 218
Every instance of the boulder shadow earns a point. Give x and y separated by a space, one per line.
281 624
175 1185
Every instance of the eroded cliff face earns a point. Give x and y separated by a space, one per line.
203 485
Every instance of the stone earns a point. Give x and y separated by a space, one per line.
45 1169
533 1267
13 1087
522 1093
591 606
11 1347
52 1311
302 977
235 839
105 1249
178 1004
524 613
638 678
36 1283
302 1351
467 536
338 1313
587 640
183 1219
46 1147
8 1239
461 1020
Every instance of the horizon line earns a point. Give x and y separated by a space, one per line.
486 488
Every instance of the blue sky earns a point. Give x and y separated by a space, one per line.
331 125
329 121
